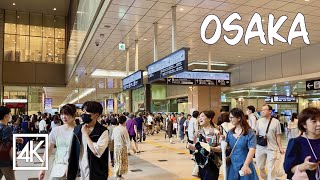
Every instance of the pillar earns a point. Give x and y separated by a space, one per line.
209 59
115 103
147 98
128 100
155 41
203 98
136 60
128 62
1 53
174 28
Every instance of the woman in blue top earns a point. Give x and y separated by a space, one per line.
244 149
303 152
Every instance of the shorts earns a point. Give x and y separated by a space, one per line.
134 137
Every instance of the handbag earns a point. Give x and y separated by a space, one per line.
262 140
298 175
228 158
5 147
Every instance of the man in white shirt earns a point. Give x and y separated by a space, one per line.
42 126
251 117
193 128
89 147
267 154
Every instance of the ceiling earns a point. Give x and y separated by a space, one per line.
37 6
130 20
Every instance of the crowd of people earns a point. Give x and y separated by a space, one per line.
252 137
86 145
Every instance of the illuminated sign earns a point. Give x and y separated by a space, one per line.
133 81
200 78
172 64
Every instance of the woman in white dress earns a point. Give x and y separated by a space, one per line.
293 130
120 136
61 138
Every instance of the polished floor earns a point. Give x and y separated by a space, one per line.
158 160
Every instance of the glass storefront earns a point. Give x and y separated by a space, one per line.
31 37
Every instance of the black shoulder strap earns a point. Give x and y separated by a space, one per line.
268 126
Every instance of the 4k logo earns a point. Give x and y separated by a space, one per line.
30 152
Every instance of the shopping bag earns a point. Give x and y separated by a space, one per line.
278 170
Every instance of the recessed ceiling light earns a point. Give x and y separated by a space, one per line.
239 56
261 49
262 20
160 26
54 9
306 0
144 39
181 9
231 34
13 4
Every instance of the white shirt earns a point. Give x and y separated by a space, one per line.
150 120
120 136
252 121
42 125
53 125
192 128
100 146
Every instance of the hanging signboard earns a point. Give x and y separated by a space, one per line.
197 78
170 65
133 81
47 103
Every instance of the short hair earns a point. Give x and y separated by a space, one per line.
69 109
252 109
189 115
269 107
4 111
182 113
114 121
122 119
131 116
308 113
92 107
195 114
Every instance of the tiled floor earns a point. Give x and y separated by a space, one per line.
159 160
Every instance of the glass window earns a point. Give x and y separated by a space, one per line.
59 27
59 51
10 22
9 47
36 49
48 50
35 24
22 48
48 26
23 23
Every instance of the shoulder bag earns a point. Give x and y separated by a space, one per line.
228 158
262 140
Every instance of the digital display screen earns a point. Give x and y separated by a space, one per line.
133 81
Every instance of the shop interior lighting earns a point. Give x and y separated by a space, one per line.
13 4
54 9
241 91
15 100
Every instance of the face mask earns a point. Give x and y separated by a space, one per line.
86 118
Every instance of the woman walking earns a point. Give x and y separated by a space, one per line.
242 142
120 136
293 130
61 138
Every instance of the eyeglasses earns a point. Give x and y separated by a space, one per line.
231 117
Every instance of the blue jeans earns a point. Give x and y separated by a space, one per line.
181 134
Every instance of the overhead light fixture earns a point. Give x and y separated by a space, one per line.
231 34
54 9
206 63
101 73
300 82
15 100
144 39
306 0
261 49
181 9
83 94
217 70
13 4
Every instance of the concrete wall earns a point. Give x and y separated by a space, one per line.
38 74
292 63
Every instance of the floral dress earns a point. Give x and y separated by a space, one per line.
211 170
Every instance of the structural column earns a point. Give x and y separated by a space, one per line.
209 58
1 53
115 104
155 41
128 100
174 28
204 98
136 60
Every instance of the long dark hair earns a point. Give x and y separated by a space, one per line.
294 116
238 113
210 114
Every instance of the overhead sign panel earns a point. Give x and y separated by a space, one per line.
313 85
172 64
284 99
133 81
195 78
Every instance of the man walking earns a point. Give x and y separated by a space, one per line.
269 128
